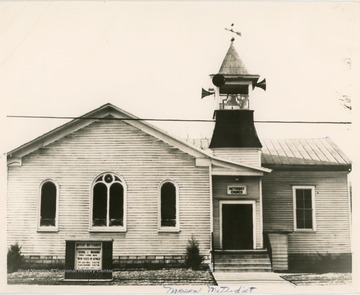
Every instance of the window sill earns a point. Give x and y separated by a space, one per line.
47 230
168 230
304 231
107 230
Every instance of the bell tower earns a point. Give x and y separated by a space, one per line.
237 189
234 127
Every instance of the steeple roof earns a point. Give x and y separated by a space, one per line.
232 64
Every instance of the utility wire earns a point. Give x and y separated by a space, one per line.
176 120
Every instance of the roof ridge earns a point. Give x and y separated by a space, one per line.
78 123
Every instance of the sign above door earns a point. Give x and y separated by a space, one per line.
237 190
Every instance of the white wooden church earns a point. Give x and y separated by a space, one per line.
253 205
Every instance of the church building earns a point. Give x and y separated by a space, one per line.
115 184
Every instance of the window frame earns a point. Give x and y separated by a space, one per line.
175 228
52 228
313 215
107 228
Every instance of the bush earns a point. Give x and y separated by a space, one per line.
14 258
193 258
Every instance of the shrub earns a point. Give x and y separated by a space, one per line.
193 258
14 258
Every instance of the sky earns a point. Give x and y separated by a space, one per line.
66 58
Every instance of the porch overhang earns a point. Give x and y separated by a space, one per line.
217 171
227 168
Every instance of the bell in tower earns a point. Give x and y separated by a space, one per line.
234 127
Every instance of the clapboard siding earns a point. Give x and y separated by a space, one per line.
332 233
279 251
247 156
220 184
141 160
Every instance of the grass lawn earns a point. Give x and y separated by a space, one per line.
173 276
310 279
170 276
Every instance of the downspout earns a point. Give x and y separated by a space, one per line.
261 215
212 258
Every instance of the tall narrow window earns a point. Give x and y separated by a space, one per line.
168 205
48 205
108 209
304 210
116 211
100 204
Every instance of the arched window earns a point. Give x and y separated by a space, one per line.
108 203
168 205
48 205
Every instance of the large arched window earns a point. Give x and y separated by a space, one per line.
108 203
169 210
48 206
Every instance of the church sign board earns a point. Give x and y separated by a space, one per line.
88 260
88 255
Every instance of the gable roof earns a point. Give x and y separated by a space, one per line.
111 112
316 152
105 112
302 154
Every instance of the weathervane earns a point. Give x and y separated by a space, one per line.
232 31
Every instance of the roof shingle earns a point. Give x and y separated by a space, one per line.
232 64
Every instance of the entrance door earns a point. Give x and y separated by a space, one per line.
237 226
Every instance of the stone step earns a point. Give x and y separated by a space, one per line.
260 260
241 252
242 256
249 269
251 264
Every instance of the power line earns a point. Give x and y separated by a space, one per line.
176 120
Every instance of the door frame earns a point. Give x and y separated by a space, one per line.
241 202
